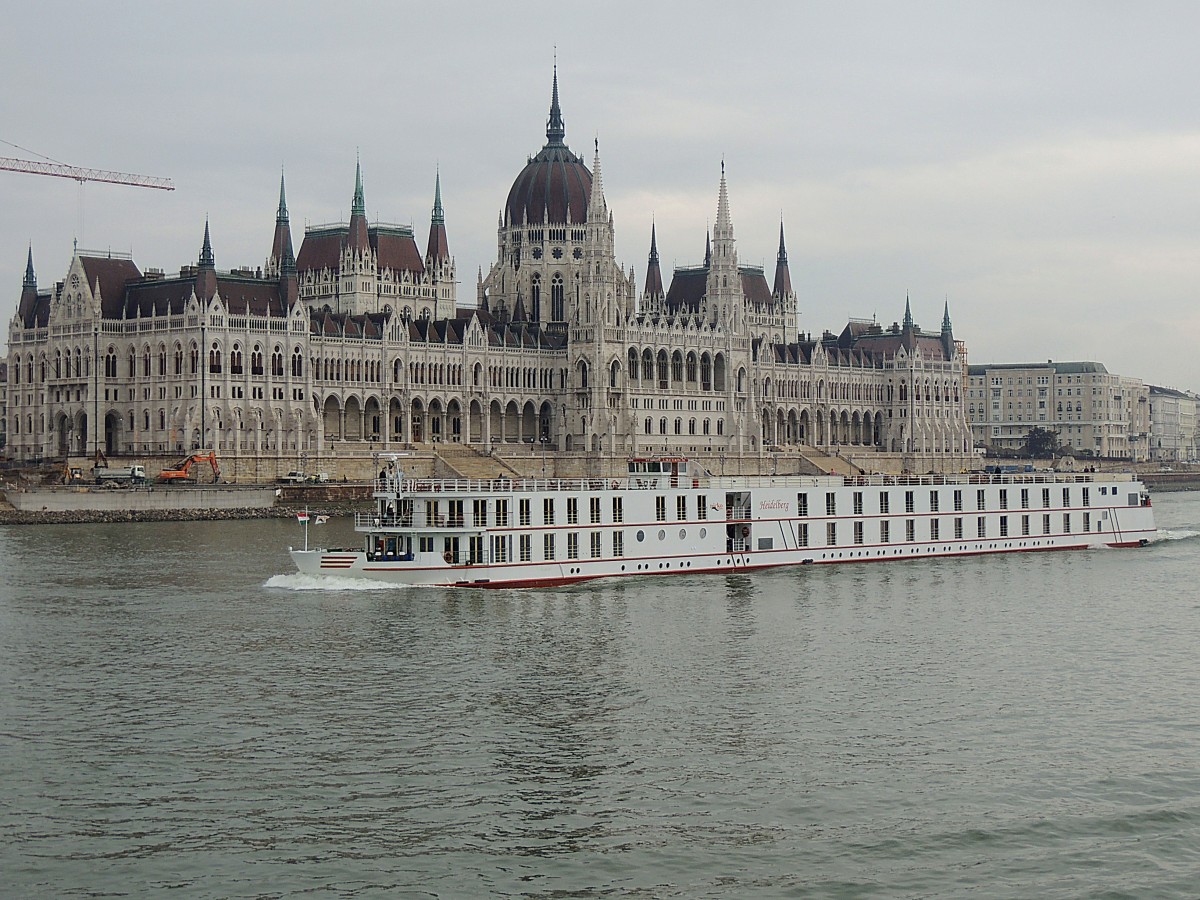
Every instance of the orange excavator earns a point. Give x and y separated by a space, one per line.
182 471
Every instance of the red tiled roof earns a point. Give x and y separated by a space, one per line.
113 275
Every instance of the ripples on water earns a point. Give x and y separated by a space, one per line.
179 713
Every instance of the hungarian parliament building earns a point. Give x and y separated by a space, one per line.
362 340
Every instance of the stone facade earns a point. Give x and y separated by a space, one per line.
1173 423
359 340
1094 412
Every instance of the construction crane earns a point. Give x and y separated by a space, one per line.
81 175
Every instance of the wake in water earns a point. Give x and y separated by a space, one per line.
298 582
1175 534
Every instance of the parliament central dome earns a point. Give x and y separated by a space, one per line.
555 185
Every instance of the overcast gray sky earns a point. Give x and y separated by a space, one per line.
1038 164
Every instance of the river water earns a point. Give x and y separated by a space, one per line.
181 716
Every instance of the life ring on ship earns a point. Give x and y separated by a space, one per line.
745 531
448 557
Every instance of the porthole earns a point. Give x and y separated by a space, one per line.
641 535
703 533
662 534
682 533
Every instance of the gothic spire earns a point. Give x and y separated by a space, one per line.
358 207
555 132
281 215
439 216
723 230
596 206
30 278
206 251
438 246
707 249
654 286
206 271
283 259
908 319
357 238
947 332
28 306
783 276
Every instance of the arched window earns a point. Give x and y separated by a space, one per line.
535 298
277 363
649 425
235 360
58 364
162 359
557 307
297 363
214 359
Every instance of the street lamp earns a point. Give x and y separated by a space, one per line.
544 439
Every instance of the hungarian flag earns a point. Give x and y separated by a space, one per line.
302 518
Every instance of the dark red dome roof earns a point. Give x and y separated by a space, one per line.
555 185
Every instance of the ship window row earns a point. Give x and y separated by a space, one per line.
934 501
913 532
860 532
496 512
551 544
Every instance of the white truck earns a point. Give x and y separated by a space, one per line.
116 475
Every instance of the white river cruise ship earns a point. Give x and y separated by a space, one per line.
669 516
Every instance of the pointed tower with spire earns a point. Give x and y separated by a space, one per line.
782 288
653 295
282 256
358 239
281 264
600 294
723 288
439 265
908 329
206 269
358 266
947 331
556 132
546 231
29 292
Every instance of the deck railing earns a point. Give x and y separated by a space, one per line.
647 482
